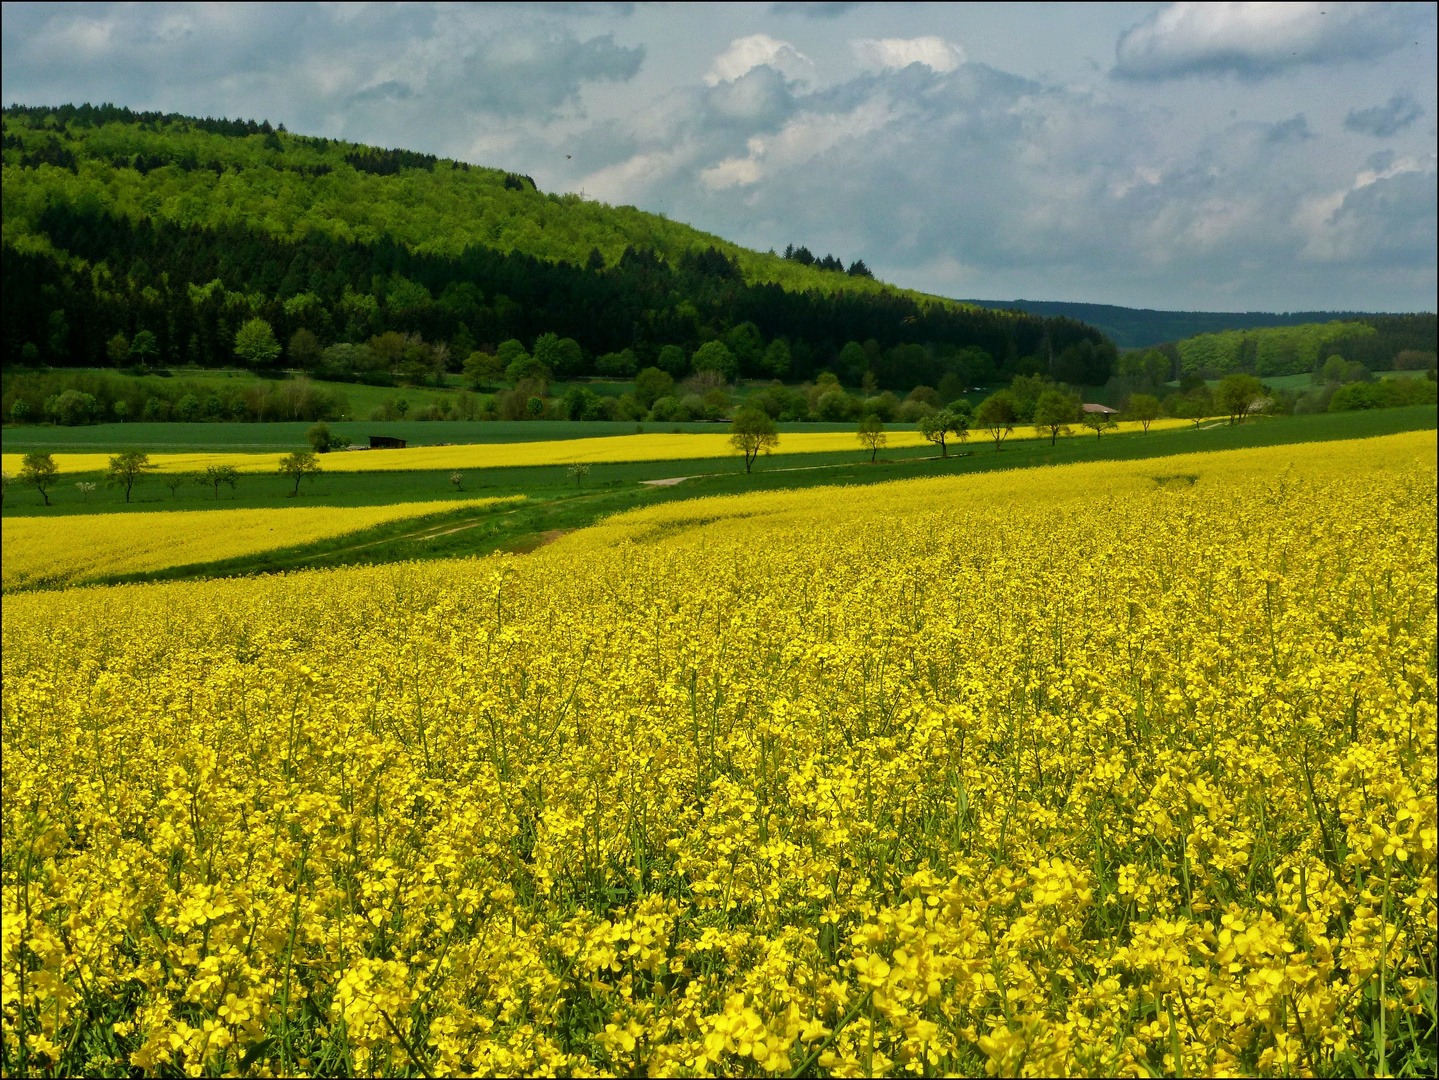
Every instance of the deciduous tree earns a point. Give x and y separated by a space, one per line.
1053 413
939 426
298 465
752 433
483 369
215 475
871 434
127 469
1234 395
143 349
1098 422
997 415
1144 408
255 343
40 469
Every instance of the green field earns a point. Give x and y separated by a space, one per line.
555 502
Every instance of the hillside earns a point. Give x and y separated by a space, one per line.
118 222
1142 328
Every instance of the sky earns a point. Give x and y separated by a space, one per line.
1221 157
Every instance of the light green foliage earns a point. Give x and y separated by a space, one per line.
71 407
1270 350
255 343
441 210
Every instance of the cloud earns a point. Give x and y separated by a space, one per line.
1385 120
1254 40
747 53
1293 130
979 182
388 72
893 53
801 141
1387 212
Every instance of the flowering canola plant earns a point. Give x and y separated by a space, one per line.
46 551
612 449
1121 769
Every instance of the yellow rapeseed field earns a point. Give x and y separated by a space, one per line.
52 551
612 449
1109 769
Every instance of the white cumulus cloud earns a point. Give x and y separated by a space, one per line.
747 53
893 53
1258 39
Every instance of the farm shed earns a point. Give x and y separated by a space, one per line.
386 442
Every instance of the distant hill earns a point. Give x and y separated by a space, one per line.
1142 328
121 224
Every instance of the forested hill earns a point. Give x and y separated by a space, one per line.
118 223
1142 328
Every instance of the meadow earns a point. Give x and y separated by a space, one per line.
1116 767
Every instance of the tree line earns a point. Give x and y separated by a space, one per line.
193 289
